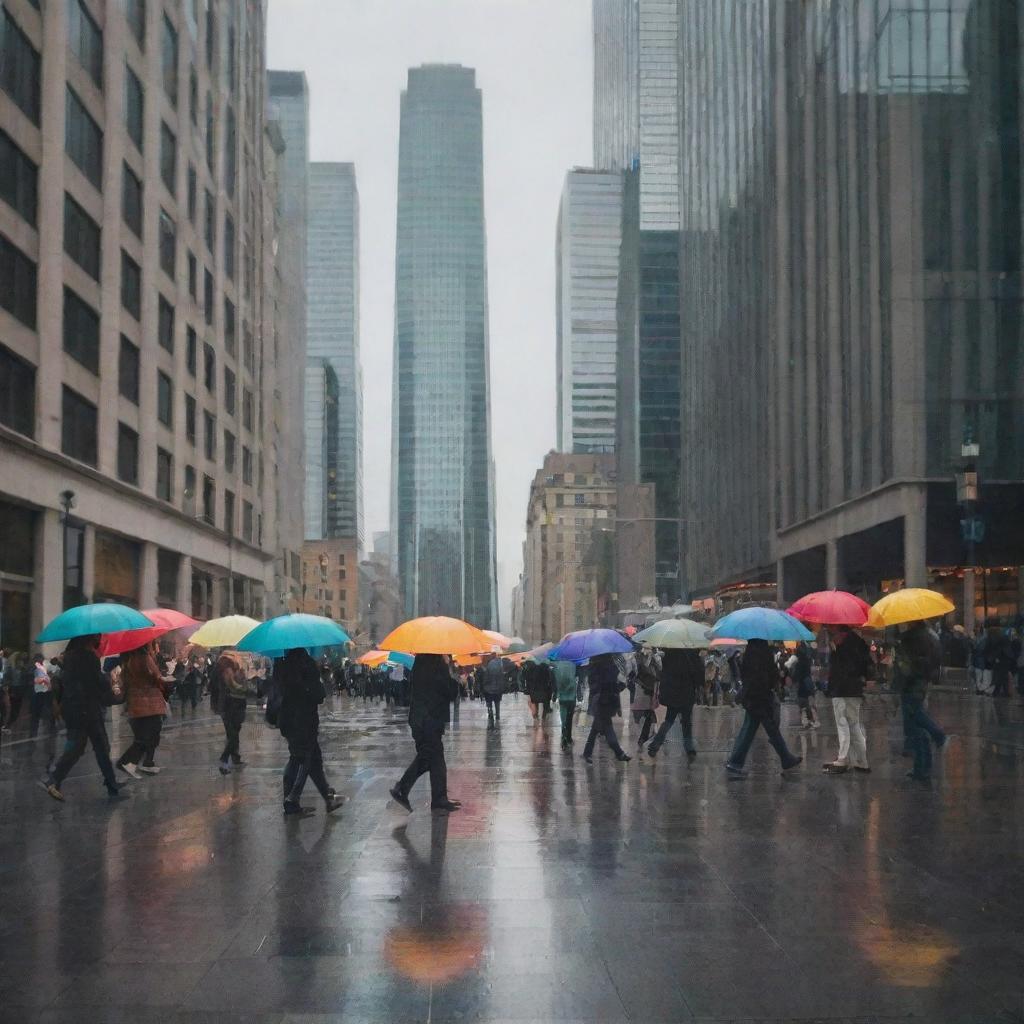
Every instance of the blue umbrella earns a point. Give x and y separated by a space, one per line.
397 658
276 636
760 624
88 619
589 643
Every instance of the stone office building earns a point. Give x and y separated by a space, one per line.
134 324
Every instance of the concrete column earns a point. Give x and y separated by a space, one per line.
147 576
183 601
831 564
48 571
89 563
780 585
970 588
915 568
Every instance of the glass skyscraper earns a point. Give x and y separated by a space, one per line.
334 402
442 473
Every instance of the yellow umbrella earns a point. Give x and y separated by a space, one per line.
910 605
226 631
436 634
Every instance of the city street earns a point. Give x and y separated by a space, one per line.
653 891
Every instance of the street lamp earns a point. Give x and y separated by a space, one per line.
972 527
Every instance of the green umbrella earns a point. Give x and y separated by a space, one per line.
679 634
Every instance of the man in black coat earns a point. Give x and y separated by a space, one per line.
682 675
84 693
605 704
429 714
302 693
849 668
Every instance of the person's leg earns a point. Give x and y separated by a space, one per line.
567 709
771 728
489 701
438 769
420 763
291 774
613 740
101 748
315 770
35 712
858 739
917 737
74 747
686 722
659 736
744 738
842 731
931 727
497 707
595 731
136 748
153 729
645 732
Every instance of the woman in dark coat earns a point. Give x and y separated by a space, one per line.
302 693
760 680
432 690
605 705
682 677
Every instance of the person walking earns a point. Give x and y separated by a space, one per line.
605 704
188 687
84 693
564 673
230 685
42 697
145 694
302 692
493 686
798 668
759 699
644 703
850 667
682 678
917 662
540 690
429 715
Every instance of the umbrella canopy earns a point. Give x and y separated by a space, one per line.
589 643
286 632
679 634
910 605
832 608
164 621
541 653
372 658
88 619
436 634
518 647
727 641
760 624
497 639
401 658
223 632
468 660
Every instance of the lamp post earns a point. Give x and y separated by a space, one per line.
972 528
67 503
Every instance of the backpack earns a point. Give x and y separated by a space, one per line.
216 688
272 712
647 670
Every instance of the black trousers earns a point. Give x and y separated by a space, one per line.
232 718
684 713
648 718
429 758
42 707
305 761
602 726
79 736
493 702
146 733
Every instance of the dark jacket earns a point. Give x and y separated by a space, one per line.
849 666
302 693
760 679
432 689
85 690
493 681
540 684
682 675
604 687
917 661
998 650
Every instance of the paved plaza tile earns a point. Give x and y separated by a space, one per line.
656 891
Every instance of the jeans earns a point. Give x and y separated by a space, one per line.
304 761
41 707
566 709
429 758
685 716
850 731
146 733
918 730
745 737
493 702
232 718
78 736
602 726
648 718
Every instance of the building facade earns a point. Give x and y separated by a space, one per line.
587 276
330 581
569 550
134 438
334 387
865 196
442 473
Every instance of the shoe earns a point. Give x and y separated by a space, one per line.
736 773
691 756
792 764
815 725
400 798
446 807
225 769
652 751
52 790
296 810
623 756
588 758
150 769
333 803
129 769
115 793
239 763
833 768
863 771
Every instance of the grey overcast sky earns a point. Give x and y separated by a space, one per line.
534 66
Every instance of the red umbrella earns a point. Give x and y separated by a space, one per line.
832 608
164 620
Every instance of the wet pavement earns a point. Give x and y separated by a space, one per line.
654 891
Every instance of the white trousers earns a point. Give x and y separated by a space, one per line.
851 733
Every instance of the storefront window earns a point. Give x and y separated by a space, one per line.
116 569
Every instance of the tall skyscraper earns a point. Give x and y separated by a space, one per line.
636 131
334 393
587 278
442 473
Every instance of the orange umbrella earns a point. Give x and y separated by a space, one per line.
436 634
468 660
497 640
372 658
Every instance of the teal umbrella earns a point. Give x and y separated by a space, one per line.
756 623
398 658
89 619
676 634
275 637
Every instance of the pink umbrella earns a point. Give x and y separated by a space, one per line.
832 608
164 621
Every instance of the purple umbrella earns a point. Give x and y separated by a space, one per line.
589 643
